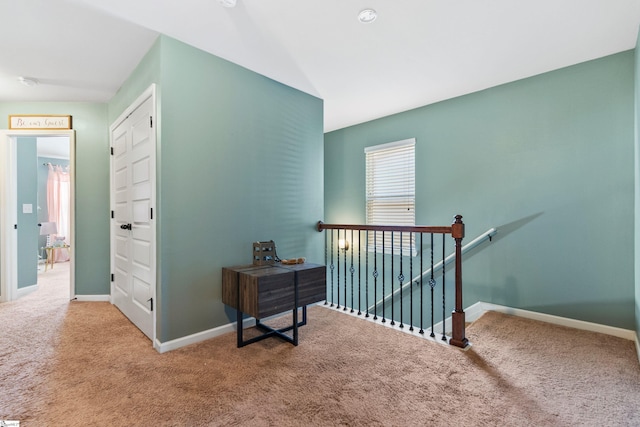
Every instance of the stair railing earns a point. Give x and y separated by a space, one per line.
337 247
487 235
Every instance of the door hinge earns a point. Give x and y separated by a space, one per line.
113 277
111 151
113 214
150 121
151 301
151 213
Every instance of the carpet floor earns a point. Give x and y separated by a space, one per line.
84 364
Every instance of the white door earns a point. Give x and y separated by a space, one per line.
133 225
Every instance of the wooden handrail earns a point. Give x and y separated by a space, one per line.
395 228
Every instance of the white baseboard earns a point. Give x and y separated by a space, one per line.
473 312
638 345
477 309
163 347
92 298
26 291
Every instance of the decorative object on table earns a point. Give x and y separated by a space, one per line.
47 229
264 253
59 242
293 261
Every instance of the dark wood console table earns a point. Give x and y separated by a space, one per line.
265 290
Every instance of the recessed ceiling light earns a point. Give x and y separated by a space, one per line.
367 16
227 3
27 81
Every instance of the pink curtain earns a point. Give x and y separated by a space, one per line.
59 205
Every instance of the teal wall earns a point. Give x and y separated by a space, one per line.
27 185
547 160
92 187
240 159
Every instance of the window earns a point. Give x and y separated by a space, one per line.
390 187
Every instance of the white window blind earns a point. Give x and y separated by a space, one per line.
390 187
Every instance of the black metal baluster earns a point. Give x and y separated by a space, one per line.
326 238
352 270
338 271
375 275
421 292
359 271
411 237
393 322
432 283
344 308
400 280
332 268
366 276
384 279
444 282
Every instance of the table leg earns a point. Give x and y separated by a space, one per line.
49 258
295 309
239 317
268 330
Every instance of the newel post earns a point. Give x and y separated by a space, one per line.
457 317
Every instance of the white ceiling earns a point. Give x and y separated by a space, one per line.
417 52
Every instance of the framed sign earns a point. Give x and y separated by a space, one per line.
39 122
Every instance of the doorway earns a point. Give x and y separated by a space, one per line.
53 211
23 241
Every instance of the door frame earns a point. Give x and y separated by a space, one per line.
150 92
9 206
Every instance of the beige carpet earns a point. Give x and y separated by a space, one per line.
84 364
